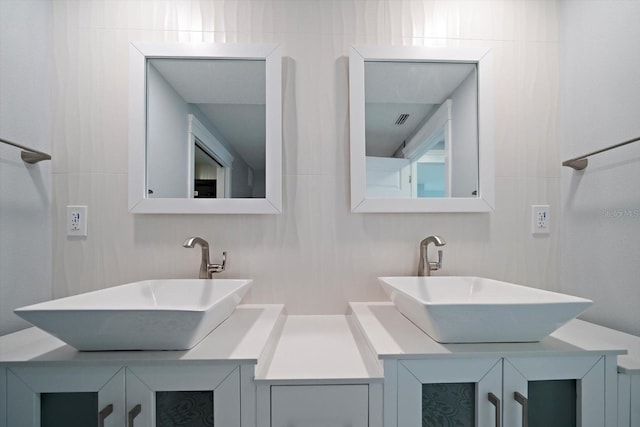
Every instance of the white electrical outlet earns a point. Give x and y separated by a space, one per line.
540 219
76 220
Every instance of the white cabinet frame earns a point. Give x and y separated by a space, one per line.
126 387
3 396
25 384
595 375
628 400
143 381
486 373
588 371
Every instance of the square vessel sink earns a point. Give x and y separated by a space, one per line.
457 309
148 315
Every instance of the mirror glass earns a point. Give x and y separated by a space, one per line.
420 130
207 138
228 98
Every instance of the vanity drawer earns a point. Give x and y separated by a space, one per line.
320 405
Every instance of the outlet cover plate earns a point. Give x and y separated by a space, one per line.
77 221
540 219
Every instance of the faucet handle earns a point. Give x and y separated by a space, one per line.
434 266
218 268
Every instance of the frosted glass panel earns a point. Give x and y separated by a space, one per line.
451 404
69 410
184 409
552 403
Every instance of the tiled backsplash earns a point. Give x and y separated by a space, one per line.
317 255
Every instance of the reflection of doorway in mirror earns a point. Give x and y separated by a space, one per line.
429 152
422 168
429 174
214 161
208 176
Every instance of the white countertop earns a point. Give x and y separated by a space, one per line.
242 338
391 335
325 349
582 333
320 349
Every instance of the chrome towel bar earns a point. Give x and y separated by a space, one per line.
581 162
29 155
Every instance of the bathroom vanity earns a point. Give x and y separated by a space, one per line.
490 384
41 376
369 368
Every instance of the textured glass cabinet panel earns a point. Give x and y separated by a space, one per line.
552 403
69 409
448 405
184 408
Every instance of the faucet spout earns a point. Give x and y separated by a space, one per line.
426 267
206 268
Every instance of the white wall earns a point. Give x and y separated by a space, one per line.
168 138
600 81
316 255
25 190
464 127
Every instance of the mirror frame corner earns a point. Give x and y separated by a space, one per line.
138 203
485 201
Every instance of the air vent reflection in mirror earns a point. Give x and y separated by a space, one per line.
402 118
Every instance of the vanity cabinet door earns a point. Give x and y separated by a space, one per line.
554 392
457 392
628 400
69 396
3 396
192 395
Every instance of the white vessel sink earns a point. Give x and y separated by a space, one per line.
147 315
458 309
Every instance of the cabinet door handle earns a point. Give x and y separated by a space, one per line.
525 407
495 401
106 411
134 413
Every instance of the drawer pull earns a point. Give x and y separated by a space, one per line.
495 401
525 407
108 410
134 413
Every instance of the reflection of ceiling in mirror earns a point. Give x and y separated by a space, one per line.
383 136
230 93
413 88
202 158
244 125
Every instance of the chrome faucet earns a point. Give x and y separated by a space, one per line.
206 268
426 267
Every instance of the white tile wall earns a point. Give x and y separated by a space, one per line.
600 252
317 255
25 190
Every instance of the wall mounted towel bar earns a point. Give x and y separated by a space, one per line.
29 155
581 162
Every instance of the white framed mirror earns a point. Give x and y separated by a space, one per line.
205 132
421 129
